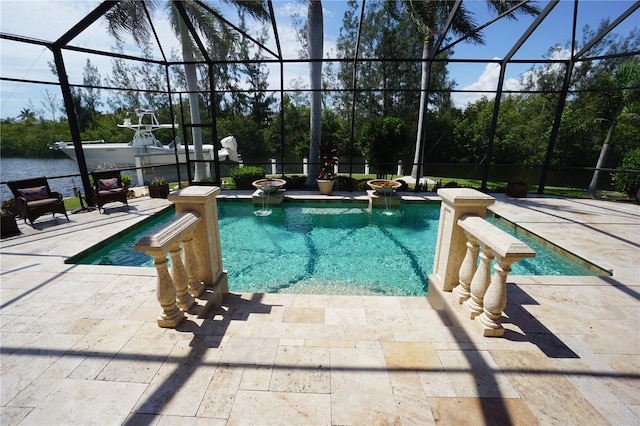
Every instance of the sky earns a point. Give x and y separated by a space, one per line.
49 19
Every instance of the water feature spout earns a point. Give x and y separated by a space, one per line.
265 188
383 195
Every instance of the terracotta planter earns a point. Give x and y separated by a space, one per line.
517 190
8 226
159 191
325 186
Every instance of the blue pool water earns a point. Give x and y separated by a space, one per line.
328 249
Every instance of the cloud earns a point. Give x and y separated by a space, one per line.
488 80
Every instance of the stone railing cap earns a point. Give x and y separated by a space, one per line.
173 230
500 242
465 196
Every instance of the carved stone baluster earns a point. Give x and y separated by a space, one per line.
196 287
479 283
468 268
166 293
495 299
179 275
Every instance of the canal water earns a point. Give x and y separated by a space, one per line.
25 168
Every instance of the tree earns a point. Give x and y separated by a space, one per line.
51 103
381 141
381 83
130 16
316 38
427 15
615 105
27 114
625 181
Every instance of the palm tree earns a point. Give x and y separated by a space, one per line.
315 39
130 16
27 114
616 106
427 14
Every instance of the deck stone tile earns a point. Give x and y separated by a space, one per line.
345 316
330 343
596 391
285 330
361 391
280 408
410 356
138 361
108 337
45 383
301 369
551 397
186 421
309 315
181 382
256 378
23 366
219 398
260 351
492 411
476 374
411 401
86 402
12 416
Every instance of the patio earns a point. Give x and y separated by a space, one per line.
80 343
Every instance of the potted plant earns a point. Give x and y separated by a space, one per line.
8 226
126 182
517 188
158 188
327 175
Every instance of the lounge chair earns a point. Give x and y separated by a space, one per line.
35 198
108 188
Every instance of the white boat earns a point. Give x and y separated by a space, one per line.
145 149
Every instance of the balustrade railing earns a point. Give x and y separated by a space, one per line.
485 295
192 241
176 288
467 246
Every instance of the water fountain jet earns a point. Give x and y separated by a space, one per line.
266 188
383 195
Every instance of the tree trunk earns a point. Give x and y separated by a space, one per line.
194 100
604 151
424 104
315 38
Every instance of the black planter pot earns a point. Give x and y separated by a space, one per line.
517 190
9 226
159 191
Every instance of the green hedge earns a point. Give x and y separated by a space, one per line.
628 183
244 176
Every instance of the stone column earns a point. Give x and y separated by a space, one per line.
206 236
196 287
451 243
495 299
468 268
166 292
180 280
479 284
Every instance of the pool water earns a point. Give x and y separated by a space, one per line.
328 249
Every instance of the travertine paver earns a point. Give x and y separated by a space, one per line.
80 344
86 402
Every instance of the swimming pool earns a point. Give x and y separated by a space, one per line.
328 249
